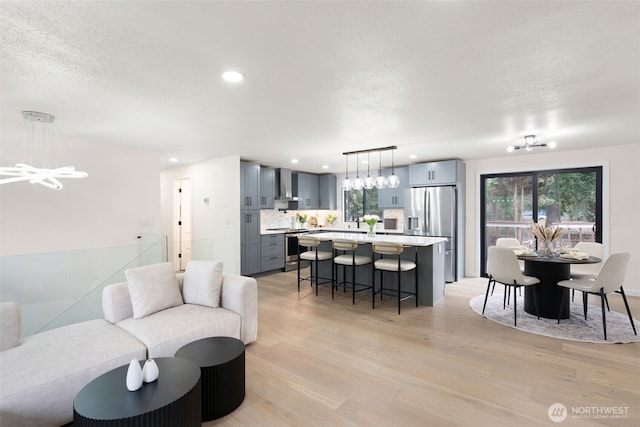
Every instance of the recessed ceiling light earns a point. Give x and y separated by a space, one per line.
413 156
325 166
294 160
173 160
232 76
552 144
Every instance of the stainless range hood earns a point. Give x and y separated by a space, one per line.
284 186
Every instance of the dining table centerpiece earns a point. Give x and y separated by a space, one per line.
371 221
546 235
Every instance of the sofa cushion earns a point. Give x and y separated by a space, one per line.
10 325
152 288
42 376
203 283
166 331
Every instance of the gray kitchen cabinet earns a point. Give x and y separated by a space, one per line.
267 187
272 252
328 192
390 198
249 185
307 187
249 241
435 173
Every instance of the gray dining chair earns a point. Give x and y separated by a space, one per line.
609 280
587 271
509 242
503 268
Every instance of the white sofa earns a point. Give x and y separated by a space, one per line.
164 332
41 374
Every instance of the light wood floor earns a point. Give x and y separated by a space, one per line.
319 362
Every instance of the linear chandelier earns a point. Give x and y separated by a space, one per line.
368 183
39 127
530 142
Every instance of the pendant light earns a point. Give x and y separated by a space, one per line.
393 181
39 149
368 181
380 181
346 183
357 183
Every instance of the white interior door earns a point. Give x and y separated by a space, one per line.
182 224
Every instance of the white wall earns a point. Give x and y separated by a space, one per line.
621 188
218 223
104 210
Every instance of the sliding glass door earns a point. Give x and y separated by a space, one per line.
510 202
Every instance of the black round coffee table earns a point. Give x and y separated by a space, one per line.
221 360
173 400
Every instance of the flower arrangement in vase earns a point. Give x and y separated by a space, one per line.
302 219
330 219
546 235
371 221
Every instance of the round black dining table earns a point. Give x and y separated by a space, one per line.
550 269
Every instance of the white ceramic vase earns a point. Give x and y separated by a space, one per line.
150 371
134 375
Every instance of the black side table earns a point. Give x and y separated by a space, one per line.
173 400
221 360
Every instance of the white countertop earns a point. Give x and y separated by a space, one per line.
327 229
363 238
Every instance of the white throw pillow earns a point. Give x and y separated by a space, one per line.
203 283
152 288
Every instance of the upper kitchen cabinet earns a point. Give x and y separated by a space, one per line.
436 173
267 187
249 185
328 192
390 198
307 187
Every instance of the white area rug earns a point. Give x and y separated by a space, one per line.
575 328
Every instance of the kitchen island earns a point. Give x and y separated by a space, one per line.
430 257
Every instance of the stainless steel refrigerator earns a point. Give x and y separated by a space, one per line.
431 211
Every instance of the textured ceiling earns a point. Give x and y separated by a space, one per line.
439 79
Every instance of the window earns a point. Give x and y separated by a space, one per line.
571 198
358 203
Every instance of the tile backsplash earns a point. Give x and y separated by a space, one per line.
281 218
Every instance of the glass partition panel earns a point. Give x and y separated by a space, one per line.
60 288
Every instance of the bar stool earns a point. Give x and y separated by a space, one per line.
394 263
314 256
344 254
